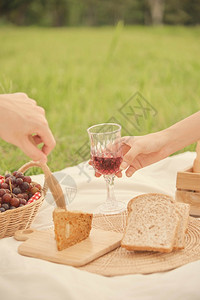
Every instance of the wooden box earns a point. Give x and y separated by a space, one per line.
188 185
188 190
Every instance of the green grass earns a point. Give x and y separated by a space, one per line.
83 76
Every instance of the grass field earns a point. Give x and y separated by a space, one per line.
83 76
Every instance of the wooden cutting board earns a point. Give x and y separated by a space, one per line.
42 244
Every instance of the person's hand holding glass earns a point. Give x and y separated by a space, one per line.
106 156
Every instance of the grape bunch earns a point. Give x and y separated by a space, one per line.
16 190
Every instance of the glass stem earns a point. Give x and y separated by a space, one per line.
110 188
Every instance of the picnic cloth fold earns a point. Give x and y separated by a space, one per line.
29 278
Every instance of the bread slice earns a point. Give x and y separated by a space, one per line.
152 223
71 227
183 211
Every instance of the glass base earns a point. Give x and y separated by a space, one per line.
112 208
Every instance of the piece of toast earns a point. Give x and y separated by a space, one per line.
152 223
71 227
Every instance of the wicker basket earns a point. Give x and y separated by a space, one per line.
21 217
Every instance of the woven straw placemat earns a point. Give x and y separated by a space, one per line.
122 262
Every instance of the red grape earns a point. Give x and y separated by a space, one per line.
19 181
13 179
25 186
4 185
6 198
38 186
27 179
12 207
7 175
14 202
20 196
17 190
5 205
7 180
34 190
25 196
19 175
22 201
2 192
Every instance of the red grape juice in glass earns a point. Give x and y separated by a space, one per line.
106 164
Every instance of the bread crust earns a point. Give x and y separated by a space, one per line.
186 218
136 248
148 194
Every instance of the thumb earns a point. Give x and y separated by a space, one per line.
129 157
29 147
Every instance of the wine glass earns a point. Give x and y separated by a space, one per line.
106 156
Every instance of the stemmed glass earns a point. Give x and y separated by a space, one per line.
106 156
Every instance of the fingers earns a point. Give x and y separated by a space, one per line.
27 126
40 110
31 150
44 134
114 147
20 95
130 171
37 139
120 145
32 101
46 137
30 144
97 174
25 97
141 161
128 140
119 174
125 148
129 157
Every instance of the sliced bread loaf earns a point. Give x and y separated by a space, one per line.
151 224
71 227
182 210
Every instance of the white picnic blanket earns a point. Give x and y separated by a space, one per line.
27 278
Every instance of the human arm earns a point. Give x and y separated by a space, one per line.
141 151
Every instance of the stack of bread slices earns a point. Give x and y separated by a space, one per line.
155 222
